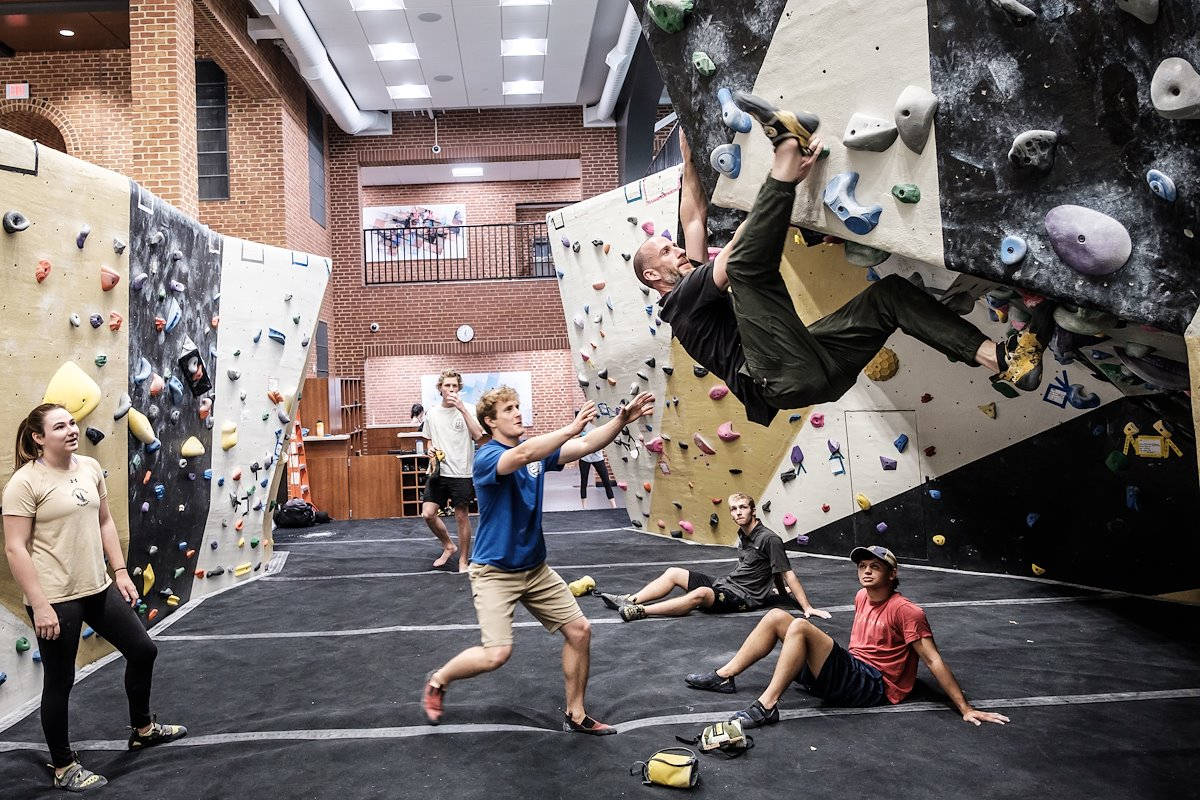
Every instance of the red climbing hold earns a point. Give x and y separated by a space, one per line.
159 324
42 271
930 451
925 398
108 278
114 321
825 507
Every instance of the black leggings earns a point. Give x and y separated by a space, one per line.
601 470
112 618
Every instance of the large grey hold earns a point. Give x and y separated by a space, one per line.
1034 150
915 108
1145 10
1088 242
1018 13
864 132
1175 90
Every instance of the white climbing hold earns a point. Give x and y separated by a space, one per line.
864 132
915 108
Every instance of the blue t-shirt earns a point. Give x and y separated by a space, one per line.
509 536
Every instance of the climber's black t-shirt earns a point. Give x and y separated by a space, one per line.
701 318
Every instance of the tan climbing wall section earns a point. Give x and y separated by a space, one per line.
864 72
59 195
264 291
1192 337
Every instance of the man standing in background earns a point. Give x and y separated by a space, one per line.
452 430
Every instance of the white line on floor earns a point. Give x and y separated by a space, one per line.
613 620
358 575
410 731
423 539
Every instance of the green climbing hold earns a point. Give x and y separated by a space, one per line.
703 64
265 415
863 255
254 542
907 192
101 360
1116 461
178 572
22 644
669 14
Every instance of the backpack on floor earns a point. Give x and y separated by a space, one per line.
295 513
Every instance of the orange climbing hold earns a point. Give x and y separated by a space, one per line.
146 478
239 525
216 320
153 615
159 324
114 321
199 573
646 486
274 396
598 285
189 554
108 278
42 271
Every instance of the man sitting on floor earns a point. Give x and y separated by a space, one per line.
763 571
888 635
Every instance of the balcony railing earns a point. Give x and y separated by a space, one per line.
456 253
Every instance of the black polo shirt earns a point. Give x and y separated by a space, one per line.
760 558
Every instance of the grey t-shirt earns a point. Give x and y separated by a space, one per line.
760 558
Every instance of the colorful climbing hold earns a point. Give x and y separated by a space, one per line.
703 444
839 198
732 116
989 410
816 420
81 237
43 270
883 366
726 433
726 159
789 519
939 539
1161 185
1039 571
887 463
862 501
881 528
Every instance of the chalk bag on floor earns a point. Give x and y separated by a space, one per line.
676 767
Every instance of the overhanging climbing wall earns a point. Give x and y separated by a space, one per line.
1084 72
930 460
137 318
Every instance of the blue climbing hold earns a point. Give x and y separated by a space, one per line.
1081 398
649 311
182 547
795 417
839 198
726 159
654 332
263 483
175 387
276 336
872 275
901 442
561 274
220 481
1161 185
1012 250
37 656
3 677
733 117
258 336
160 491
173 315
1031 518
88 632
1133 498
208 474
153 446
213 545
143 371
1100 355
935 494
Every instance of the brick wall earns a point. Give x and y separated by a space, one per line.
486 203
392 384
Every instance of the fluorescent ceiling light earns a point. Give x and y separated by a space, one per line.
377 5
523 87
524 2
522 47
467 172
395 51
408 91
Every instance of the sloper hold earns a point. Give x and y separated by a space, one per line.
887 463
726 433
74 390
733 117
191 448
276 336
229 438
1018 13
140 427
1175 90
915 108
1145 10
703 444
726 159
1161 185
839 198
14 222
907 192
864 132
1087 241
718 391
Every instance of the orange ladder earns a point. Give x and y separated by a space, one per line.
297 466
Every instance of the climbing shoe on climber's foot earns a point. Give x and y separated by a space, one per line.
631 612
1020 364
78 779
615 601
776 123
158 734
431 700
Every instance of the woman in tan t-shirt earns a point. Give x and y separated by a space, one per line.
57 534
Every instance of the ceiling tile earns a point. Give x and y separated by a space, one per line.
395 72
524 68
381 27
524 21
569 31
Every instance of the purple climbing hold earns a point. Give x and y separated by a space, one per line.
565 242
887 463
797 455
1088 242
833 445
839 198
882 527
96 320
138 281
83 234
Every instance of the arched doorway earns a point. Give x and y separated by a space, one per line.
34 126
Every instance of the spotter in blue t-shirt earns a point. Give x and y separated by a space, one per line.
509 536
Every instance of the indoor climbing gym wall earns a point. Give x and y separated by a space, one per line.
179 351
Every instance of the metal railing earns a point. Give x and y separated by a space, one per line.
456 253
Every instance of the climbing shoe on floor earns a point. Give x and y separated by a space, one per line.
587 725
615 601
78 779
776 123
710 682
159 734
631 612
756 716
431 700
1021 367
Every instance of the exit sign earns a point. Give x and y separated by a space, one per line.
16 91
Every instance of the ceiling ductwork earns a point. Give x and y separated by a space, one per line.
618 60
291 24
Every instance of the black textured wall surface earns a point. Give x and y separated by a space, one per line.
1080 69
188 254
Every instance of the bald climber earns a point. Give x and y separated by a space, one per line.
734 314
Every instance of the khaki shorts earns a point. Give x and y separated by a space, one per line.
496 592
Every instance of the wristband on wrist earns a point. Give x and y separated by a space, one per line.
118 569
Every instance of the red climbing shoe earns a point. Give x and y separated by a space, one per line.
431 700
587 725
776 123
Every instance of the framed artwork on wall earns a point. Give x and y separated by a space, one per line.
407 233
476 383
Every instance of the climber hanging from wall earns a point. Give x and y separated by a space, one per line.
733 314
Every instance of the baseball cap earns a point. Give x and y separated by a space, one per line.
874 551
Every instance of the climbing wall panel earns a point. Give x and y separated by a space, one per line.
1193 352
1082 72
269 303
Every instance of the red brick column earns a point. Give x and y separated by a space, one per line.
162 73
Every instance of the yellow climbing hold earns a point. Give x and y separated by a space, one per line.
228 435
242 541
989 410
191 448
140 426
74 390
883 366
939 540
862 501
1037 570
147 579
242 569
173 600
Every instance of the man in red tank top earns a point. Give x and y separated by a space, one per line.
888 636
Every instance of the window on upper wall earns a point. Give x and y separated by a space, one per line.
316 162
212 131
322 341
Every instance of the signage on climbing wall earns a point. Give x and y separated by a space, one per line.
16 91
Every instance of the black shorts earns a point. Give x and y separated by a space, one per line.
724 600
457 491
844 681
